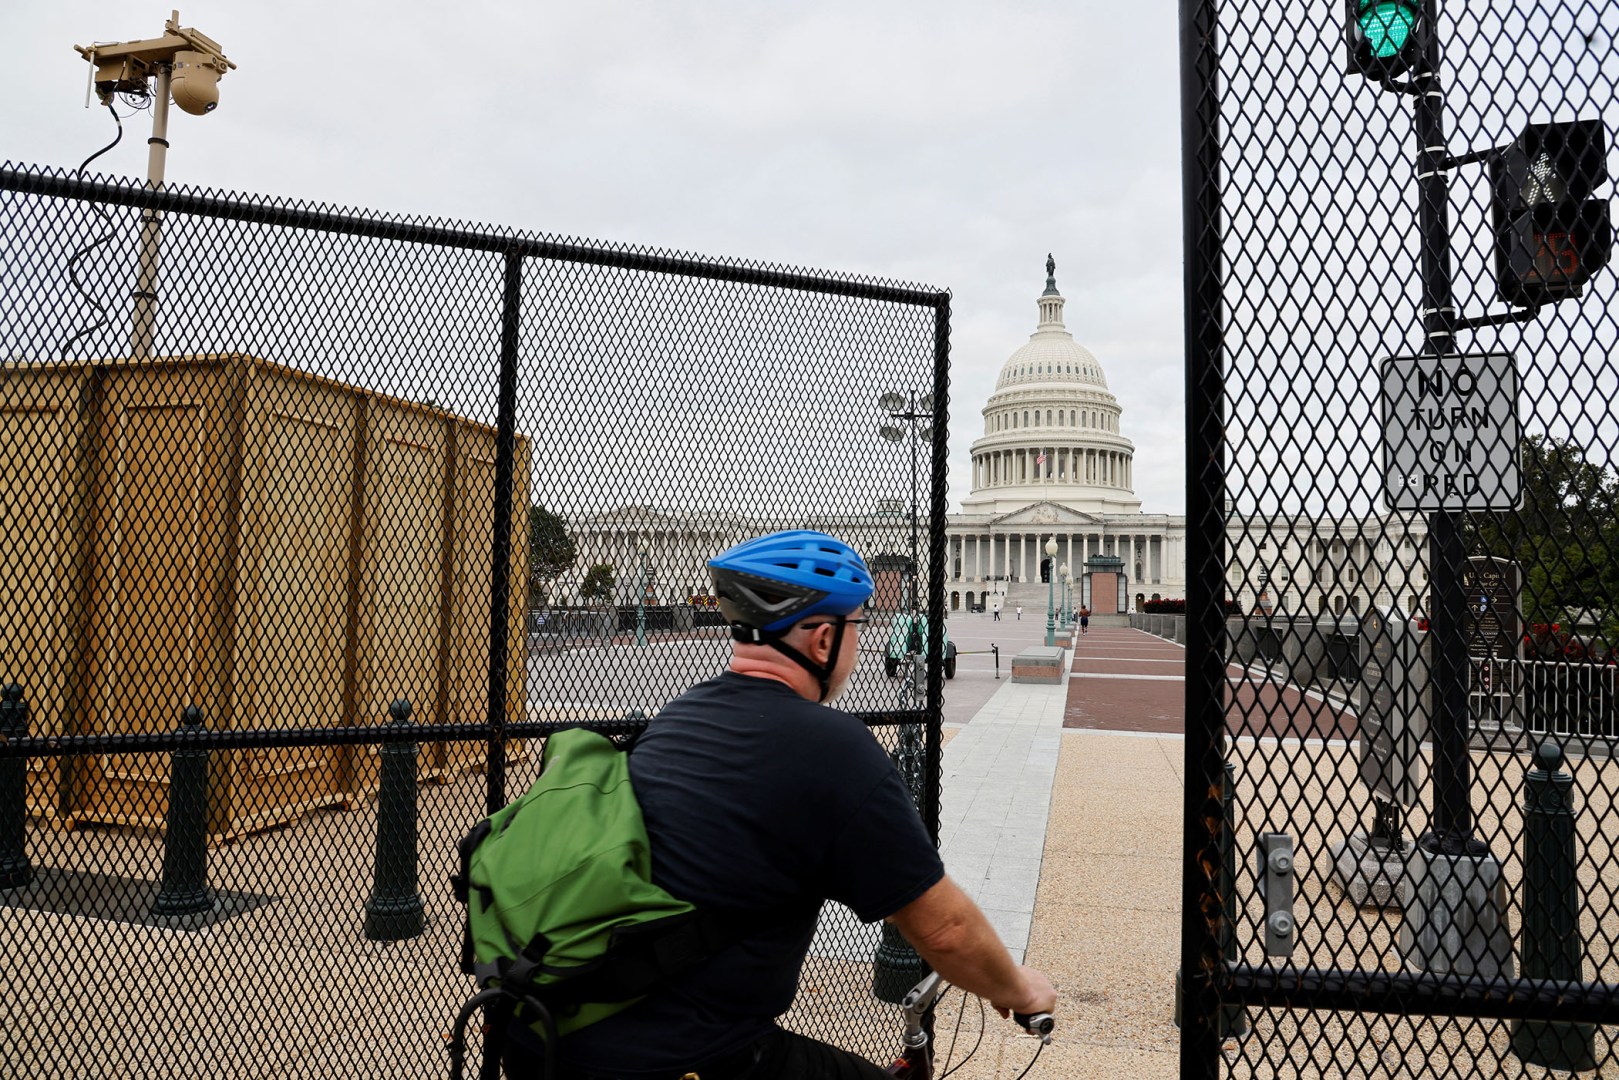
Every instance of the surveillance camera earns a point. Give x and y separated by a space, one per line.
195 82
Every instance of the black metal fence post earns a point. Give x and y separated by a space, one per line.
937 505
15 871
185 839
1201 952
500 550
394 911
1551 945
1233 1019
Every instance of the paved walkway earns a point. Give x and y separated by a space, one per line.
1001 767
998 774
1070 840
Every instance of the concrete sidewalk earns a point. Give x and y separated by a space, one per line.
1070 842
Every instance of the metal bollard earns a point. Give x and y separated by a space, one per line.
185 837
896 968
394 911
1551 946
15 871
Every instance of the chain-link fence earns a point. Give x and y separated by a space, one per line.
310 542
1404 569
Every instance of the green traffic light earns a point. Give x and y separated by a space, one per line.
1387 25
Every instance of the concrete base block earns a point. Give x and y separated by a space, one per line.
1367 874
1040 664
1487 734
1455 915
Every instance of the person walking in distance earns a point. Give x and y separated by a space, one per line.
1084 620
762 802
1020 613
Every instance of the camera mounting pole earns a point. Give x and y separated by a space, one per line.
187 66
144 334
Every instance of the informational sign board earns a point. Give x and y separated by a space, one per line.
1450 432
1493 626
1394 706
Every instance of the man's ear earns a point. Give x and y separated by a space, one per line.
820 643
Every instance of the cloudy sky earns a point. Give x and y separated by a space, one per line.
952 144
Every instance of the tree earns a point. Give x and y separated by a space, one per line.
1565 537
551 551
598 584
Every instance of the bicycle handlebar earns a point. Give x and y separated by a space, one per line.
1036 1024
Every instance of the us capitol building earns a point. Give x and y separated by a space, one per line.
1053 462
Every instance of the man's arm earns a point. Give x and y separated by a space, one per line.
952 934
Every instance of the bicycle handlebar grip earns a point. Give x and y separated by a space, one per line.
1036 1023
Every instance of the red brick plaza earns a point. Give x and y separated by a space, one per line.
1128 680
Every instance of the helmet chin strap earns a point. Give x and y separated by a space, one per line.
821 672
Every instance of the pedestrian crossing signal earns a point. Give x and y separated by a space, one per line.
1550 235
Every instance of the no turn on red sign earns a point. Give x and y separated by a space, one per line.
1450 432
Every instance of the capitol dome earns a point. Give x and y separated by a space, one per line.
1051 428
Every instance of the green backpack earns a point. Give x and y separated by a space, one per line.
564 926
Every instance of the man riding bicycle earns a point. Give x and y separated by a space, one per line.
761 802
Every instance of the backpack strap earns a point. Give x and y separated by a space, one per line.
640 959
644 957
461 886
501 1003
461 880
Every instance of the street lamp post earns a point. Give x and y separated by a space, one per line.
897 965
1051 584
1062 613
913 412
917 414
640 595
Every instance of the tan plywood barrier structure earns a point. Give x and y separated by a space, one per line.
278 549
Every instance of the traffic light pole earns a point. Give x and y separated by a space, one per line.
1451 828
1451 869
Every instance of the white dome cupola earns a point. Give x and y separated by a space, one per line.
1051 429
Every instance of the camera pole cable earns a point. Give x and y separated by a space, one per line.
78 256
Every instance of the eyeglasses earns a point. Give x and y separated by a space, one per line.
845 622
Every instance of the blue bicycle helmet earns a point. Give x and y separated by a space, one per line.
772 582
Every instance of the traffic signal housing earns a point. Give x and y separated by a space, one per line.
1550 234
1384 37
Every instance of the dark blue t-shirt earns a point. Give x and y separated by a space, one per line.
757 801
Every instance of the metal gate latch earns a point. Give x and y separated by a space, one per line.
1274 868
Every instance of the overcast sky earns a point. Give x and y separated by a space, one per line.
952 144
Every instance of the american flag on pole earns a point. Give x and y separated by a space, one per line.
1041 459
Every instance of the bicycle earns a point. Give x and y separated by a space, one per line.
916 1059
915 1062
